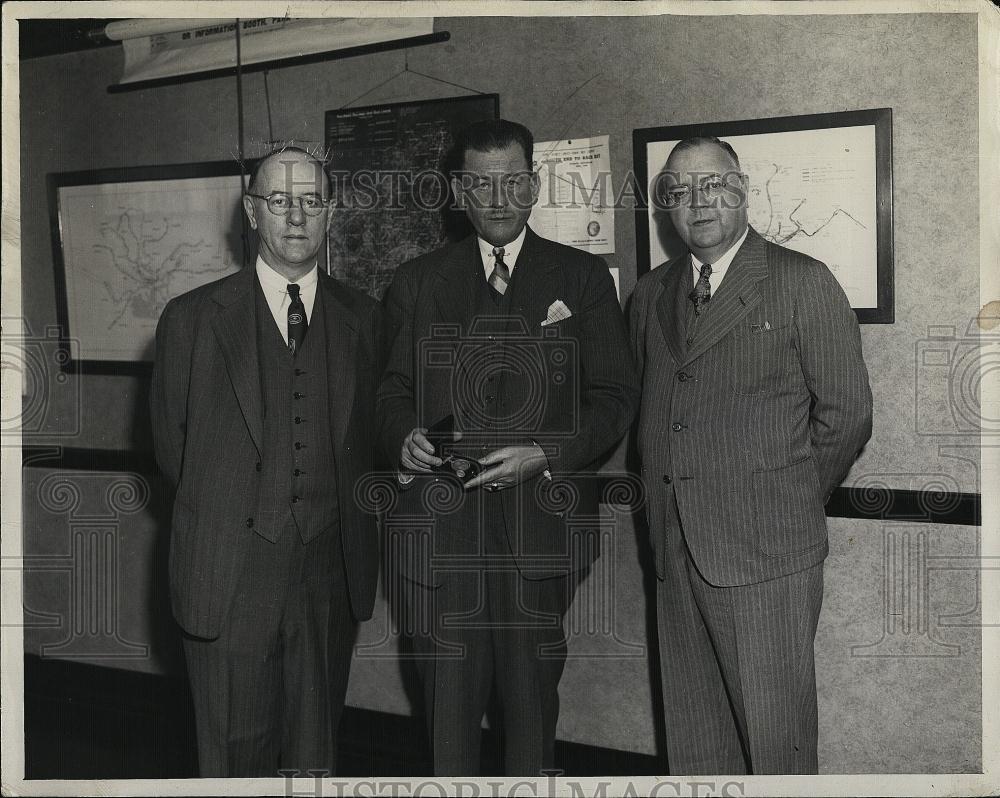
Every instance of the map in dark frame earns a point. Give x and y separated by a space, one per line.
388 171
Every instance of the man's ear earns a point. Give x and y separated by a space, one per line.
250 211
536 184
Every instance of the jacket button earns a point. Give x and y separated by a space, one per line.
249 523
666 480
258 467
295 499
682 376
676 427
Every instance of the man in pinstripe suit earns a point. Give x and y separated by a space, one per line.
755 403
489 565
261 408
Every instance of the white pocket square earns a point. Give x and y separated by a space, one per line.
557 312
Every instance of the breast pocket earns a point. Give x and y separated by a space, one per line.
761 357
564 328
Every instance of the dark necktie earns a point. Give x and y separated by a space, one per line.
297 322
702 291
500 276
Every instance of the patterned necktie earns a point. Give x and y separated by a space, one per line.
297 322
702 291
500 276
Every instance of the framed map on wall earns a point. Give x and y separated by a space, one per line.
820 184
125 241
389 178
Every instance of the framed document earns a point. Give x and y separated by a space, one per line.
820 184
390 183
125 241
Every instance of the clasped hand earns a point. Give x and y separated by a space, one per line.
502 468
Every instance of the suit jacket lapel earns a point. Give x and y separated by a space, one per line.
341 347
737 295
235 327
671 307
535 284
458 282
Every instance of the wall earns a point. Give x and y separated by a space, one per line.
910 703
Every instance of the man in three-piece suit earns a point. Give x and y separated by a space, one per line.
521 341
755 404
261 405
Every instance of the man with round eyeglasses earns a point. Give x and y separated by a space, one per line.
261 402
755 403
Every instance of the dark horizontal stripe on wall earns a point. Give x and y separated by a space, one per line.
74 459
915 506
872 504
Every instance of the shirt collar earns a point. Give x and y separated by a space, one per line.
721 265
510 251
271 280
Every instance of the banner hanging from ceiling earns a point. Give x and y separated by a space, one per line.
161 48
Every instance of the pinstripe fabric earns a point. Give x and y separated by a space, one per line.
580 418
207 417
739 682
750 418
757 420
269 691
296 425
483 627
268 645
526 529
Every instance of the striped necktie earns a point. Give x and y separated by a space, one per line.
500 276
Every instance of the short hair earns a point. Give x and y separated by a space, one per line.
697 141
491 134
281 150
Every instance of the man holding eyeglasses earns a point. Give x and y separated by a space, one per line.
755 404
519 344
261 403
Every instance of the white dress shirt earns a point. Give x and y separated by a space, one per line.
275 288
720 266
510 253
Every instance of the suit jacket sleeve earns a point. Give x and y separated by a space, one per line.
637 331
395 402
168 392
829 343
609 395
